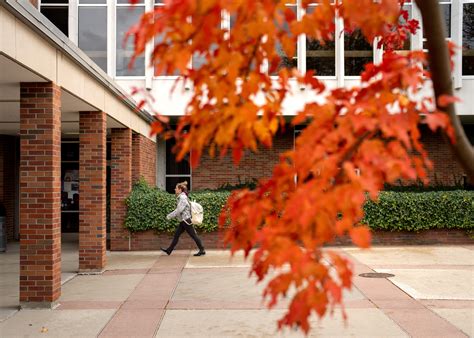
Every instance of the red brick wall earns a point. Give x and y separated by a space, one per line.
121 183
446 170
40 192
213 173
149 240
7 181
143 159
92 190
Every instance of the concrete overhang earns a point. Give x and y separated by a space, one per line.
32 49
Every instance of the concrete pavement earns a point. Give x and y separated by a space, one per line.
147 294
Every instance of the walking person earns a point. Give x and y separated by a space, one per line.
183 214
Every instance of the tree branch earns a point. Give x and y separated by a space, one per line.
441 76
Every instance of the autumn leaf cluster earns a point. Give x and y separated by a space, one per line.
354 140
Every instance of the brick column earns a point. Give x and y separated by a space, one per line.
121 184
92 191
144 159
40 191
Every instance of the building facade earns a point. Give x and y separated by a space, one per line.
98 28
72 141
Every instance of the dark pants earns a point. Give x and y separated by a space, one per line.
190 230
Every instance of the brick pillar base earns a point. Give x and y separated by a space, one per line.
121 183
92 191
40 191
144 159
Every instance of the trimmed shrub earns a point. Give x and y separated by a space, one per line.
407 211
147 208
410 211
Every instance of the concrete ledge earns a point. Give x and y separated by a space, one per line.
150 240
90 272
39 305
30 16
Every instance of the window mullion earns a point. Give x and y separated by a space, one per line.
378 52
339 39
456 35
301 42
149 68
111 50
417 40
73 21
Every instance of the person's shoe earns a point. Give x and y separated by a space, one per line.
166 250
200 253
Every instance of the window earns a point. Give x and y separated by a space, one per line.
287 62
57 12
176 171
158 39
407 43
445 7
357 52
127 15
320 57
92 30
468 39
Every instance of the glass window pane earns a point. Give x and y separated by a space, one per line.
58 15
96 2
127 2
126 17
69 151
320 57
70 186
172 181
407 43
200 59
357 52
54 1
173 167
159 39
446 15
93 34
286 62
468 39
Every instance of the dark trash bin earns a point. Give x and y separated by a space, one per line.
3 230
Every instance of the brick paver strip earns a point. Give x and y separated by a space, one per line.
88 305
206 304
141 314
125 272
410 314
421 267
448 303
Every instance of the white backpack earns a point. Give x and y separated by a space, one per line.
197 212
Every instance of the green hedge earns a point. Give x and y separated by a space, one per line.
412 211
148 207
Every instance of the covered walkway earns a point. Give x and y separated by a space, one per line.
65 126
